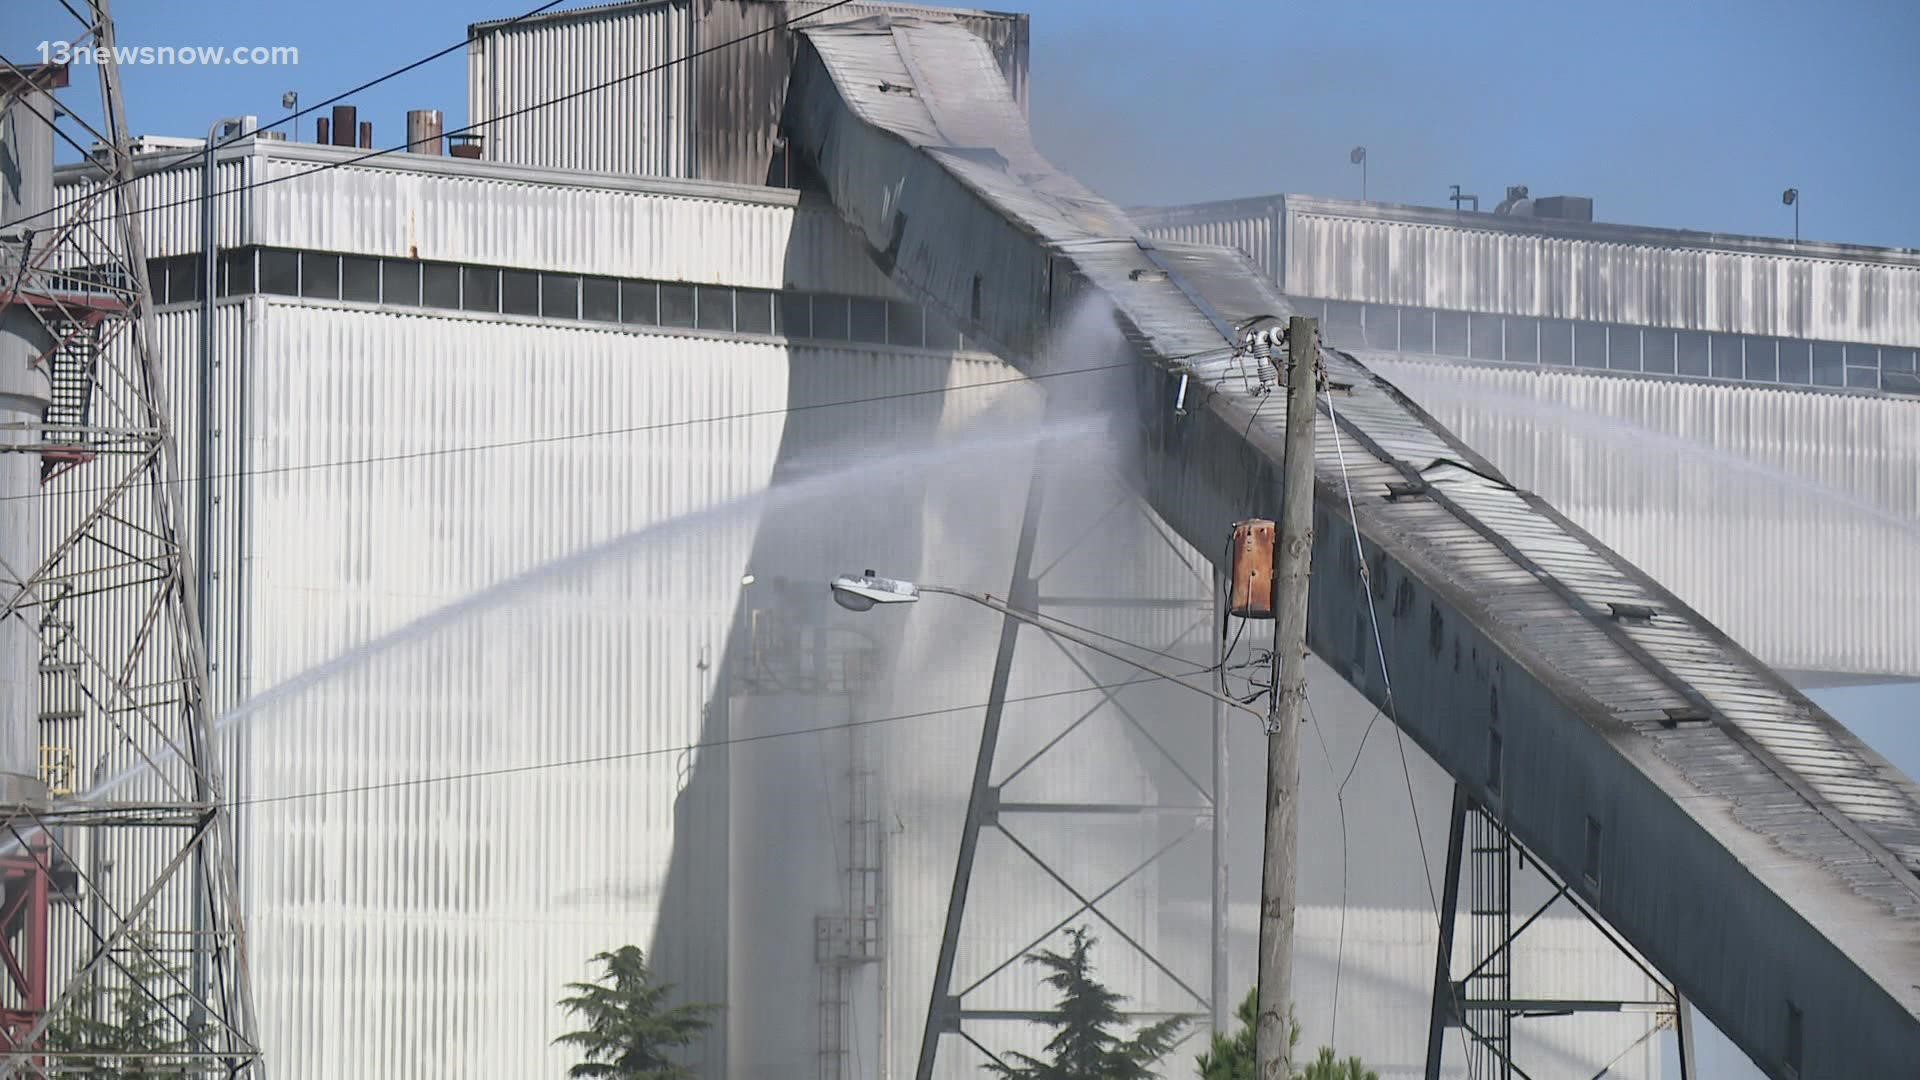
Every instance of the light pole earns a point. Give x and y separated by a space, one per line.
866 591
1791 197
1358 155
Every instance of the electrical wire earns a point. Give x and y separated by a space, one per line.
599 433
1379 645
631 755
1380 650
168 163
268 181
1340 942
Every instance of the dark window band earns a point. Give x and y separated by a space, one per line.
415 283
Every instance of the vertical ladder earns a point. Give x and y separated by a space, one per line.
833 1022
1488 990
853 937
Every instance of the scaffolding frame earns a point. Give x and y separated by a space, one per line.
947 1013
124 657
1481 1003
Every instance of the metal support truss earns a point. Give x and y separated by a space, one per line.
132 876
1481 1001
947 1013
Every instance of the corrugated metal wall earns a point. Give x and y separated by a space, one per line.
713 118
458 211
639 127
167 195
1431 258
1254 227
395 930
1790 519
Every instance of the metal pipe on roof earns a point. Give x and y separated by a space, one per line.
423 131
345 118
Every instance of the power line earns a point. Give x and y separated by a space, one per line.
601 759
1391 707
479 124
1380 649
601 433
167 163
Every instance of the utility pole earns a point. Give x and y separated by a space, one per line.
1288 701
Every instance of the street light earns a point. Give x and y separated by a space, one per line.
865 591
861 593
1791 197
1358 155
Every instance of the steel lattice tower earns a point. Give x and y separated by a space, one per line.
120 887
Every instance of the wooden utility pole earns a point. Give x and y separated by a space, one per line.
1288 701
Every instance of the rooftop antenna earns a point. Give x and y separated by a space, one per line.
1456 198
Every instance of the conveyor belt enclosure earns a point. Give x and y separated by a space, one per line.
1737 836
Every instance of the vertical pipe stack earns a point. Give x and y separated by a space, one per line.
345 124
26 189
423 131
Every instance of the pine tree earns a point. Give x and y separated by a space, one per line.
629 1030
1233 1056
125 1024
1085 1045
1326 1068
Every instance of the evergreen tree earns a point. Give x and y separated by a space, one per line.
1326 1068
119 1026
1233 1056
629 1029
1084 1045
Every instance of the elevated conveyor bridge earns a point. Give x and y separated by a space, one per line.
1735 835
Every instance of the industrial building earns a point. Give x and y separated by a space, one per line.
542 457
1667 389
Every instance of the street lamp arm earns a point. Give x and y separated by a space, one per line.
1059 630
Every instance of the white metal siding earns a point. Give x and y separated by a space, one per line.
395 931
1790 519
404 206
603 225
1399 255
638 127
1250 226
1344 257
167 196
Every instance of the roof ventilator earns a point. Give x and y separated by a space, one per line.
1631 612
1405 489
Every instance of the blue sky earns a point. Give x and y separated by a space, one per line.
1690 114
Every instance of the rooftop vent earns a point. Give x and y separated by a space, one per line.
1519 203
1564 207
